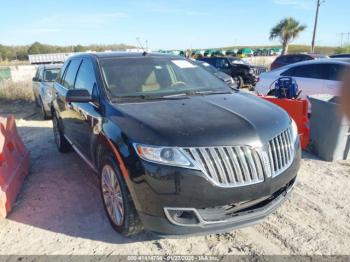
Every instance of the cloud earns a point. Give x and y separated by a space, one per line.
300 4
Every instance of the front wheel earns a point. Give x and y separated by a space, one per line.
239 81
61 142
117 200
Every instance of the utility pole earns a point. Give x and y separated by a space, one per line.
315 26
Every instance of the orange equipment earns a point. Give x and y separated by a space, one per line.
298 109
14 164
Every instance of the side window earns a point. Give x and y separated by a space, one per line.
39 74
222 63
315 71
334 71
71 72
86 76
289 72
63 69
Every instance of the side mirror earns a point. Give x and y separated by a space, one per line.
78 96
35 79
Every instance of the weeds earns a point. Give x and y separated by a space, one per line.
16 91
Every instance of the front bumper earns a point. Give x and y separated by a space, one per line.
239 220
159 187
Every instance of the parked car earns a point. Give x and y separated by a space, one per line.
221 75
312 77
42 87
175 149
294 58
340 56
242 72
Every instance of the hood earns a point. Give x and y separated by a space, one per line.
201 121
224 77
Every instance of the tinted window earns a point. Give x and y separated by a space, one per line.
297 58
222 63
61 74
281 59
70 74
315 71
50 75
86 76
334 71
288 72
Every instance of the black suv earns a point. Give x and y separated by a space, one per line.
176 150
241 72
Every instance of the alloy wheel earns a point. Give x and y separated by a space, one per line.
112 195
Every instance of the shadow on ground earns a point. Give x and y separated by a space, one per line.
61 194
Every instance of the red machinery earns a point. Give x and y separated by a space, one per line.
298 109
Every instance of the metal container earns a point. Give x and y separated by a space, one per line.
330 130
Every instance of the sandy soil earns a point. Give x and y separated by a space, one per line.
59 210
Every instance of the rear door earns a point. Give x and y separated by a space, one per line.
310 78
333 74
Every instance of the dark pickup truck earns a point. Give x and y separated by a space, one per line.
176 150
242 72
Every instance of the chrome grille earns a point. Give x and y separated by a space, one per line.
281 152
229 166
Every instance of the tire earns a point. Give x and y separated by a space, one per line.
117 200
42 108
61 142
239 81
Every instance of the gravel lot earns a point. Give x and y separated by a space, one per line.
59 210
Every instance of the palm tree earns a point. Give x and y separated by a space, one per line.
286 30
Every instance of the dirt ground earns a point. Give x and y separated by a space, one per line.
59 210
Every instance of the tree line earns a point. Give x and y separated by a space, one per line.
10 53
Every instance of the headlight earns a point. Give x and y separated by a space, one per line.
252 71
163 155
295 134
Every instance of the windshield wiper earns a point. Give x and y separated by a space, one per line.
210 92
147 97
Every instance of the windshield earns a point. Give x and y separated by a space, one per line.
208 67
50 75
153 76
237 61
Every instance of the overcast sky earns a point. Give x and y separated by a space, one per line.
173 24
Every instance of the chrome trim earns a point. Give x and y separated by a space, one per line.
234 166
201 223
256 214
87 161
228 166
281 152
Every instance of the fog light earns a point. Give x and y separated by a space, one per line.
181 216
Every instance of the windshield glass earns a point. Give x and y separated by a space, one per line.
153 76
50 75
237 61
208 67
